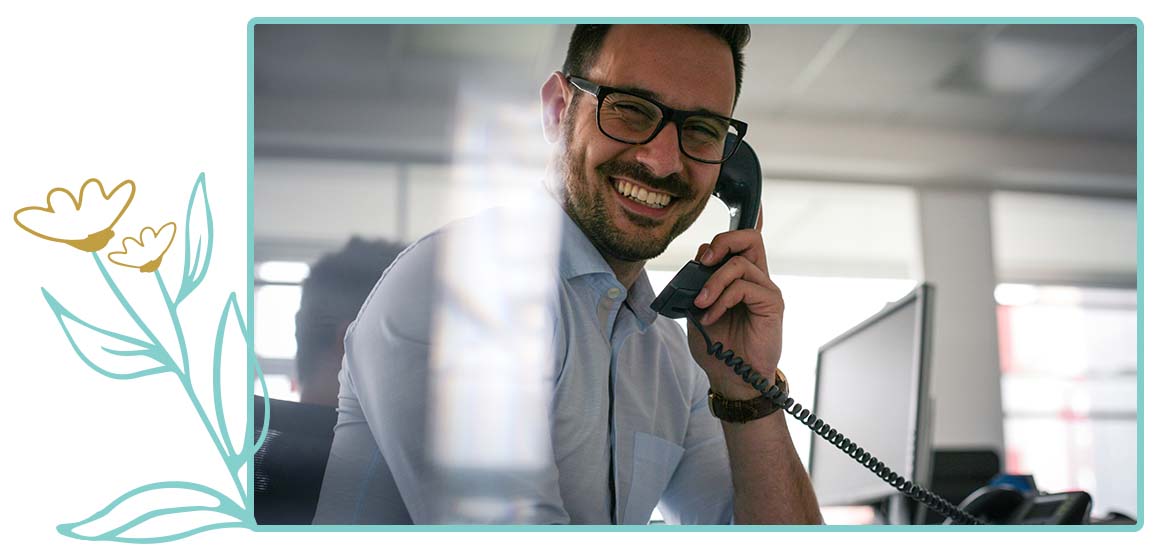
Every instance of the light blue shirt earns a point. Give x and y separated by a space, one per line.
669 451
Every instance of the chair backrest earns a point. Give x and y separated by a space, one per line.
289 467
955 474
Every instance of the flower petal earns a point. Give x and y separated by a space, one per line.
81 222
165 236
124 259
109 207
145 252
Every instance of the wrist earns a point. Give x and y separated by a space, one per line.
734 390
744 403
731 386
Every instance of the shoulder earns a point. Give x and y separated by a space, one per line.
403 292
406 292
669 331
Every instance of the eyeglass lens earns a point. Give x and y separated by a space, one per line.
633 119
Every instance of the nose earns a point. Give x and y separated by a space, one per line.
662 155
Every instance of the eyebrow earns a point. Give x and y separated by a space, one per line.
654 96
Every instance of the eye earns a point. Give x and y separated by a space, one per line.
631 109
705 131
699 130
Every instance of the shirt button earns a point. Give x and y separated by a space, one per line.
613 293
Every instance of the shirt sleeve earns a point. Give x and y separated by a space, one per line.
387 364
701 490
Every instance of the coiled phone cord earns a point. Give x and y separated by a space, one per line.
784 401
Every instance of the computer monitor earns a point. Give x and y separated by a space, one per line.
872 385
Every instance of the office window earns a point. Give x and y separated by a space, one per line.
1068 358
277 293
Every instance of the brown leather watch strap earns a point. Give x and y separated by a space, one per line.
745 411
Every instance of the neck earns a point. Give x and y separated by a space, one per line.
626 272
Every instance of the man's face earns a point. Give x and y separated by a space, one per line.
681 67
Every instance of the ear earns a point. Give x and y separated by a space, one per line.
555 95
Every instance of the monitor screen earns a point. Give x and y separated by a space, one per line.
871 386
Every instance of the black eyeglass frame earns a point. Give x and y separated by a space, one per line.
668 114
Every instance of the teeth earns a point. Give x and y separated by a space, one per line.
651 199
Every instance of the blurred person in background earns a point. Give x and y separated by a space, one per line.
331 297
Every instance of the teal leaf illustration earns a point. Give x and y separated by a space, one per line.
231 347
111 354
254 445
159 512
199 239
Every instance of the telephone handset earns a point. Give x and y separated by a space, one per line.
740 187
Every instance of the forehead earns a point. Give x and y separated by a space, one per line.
684 67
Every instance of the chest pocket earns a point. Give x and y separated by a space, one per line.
654 461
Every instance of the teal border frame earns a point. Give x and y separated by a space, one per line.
715 528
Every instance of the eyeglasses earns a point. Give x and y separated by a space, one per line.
633 119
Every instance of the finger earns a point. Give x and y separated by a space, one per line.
744 242
701 251
734 269
759 300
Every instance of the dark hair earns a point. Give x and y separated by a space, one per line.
587 39
333 294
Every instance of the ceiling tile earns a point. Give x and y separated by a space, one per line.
1095 34
954 109
1102 104
507 42
904 57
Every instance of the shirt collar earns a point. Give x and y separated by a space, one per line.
578 257
640 296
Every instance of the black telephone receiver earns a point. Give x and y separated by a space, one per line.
740 187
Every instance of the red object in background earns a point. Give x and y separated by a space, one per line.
1012 460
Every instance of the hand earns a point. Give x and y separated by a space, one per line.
743 310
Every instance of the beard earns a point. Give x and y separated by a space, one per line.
585 201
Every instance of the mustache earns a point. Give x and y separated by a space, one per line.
670 184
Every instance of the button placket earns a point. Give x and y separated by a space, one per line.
607 310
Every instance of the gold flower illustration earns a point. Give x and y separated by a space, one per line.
85 222
145 252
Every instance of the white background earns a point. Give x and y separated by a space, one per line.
156 93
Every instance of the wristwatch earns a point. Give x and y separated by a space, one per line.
744 411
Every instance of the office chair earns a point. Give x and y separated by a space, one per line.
955 474
289 467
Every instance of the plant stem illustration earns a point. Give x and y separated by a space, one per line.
169 510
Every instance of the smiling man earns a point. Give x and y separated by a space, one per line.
638 118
